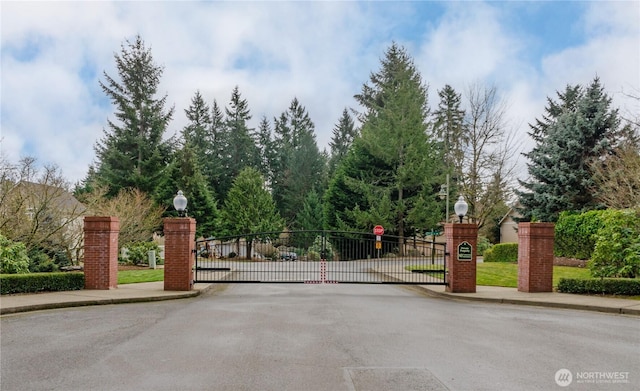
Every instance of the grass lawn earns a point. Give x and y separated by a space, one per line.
143 275
506 274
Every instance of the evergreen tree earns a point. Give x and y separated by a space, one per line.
196 133
343 135
448 128
393 164
265 145
311 216
240 150
133 153
394 132
580 129
213 167
184 174
200 137
567 102
343 196
299 165
249 207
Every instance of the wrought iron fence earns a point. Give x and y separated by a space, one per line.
320 257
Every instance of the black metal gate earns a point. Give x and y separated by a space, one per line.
320 257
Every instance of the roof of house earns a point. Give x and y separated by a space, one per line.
513 212
57 196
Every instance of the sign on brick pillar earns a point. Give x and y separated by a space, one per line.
101 252
535 257
179 244
462 240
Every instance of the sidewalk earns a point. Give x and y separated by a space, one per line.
154 291
128 293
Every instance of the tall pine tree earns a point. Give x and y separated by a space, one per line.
574 132
393 163
344 133
265 145
133 152
240 150
448 128
299 165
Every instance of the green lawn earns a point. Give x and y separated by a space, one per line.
506 274
135 276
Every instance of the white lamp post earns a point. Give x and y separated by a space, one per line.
461 207
180 203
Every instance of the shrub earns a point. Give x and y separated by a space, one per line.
267 250
607 286
61 258
617 249
323 248
502 252
575 234
313 255
483 245
138 252
39 262
40 282
13 257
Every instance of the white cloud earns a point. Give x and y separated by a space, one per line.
611 52
319 52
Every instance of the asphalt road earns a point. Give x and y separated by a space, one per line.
317 337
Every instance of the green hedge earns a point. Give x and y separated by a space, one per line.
575 234
607 286
617 250
40 282
502 252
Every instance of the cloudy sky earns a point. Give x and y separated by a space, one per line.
54 55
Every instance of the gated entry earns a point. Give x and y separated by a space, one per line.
320 257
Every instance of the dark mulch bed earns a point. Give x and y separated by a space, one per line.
560 261
133 267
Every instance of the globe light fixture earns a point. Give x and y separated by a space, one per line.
461 207
180 203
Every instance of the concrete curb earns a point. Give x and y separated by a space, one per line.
560 305
103 301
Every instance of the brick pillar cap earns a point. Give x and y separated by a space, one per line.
101 218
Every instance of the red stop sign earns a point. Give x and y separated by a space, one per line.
378 230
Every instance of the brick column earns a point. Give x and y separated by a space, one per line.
101 252
462 272
179 243
535 257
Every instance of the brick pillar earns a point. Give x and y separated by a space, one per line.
535 257
101 252
179 243
462 272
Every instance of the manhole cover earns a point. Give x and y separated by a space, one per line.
392 379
